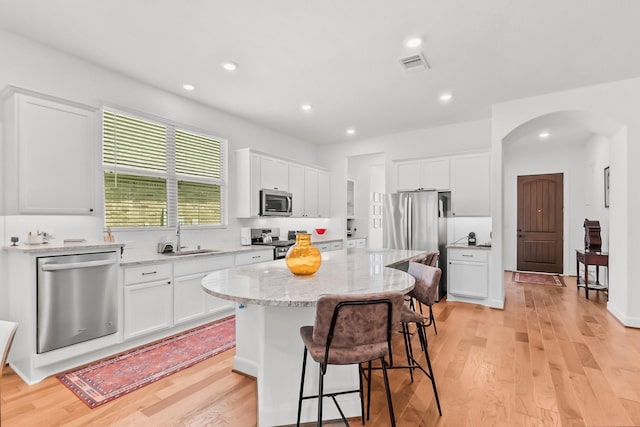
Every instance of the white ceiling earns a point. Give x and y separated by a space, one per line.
342 56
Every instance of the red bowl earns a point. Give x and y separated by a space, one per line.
320 230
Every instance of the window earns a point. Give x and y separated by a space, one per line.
158 174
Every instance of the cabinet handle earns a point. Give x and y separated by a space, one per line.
151 272
468 256
90 209
256 257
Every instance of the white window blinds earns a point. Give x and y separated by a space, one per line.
158 175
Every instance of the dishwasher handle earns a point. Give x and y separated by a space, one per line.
68 266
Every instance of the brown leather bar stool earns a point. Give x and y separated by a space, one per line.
427 279
431 294
424 291
350 329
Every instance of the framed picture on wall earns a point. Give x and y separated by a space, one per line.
606 187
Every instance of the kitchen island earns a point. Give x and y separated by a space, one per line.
274 304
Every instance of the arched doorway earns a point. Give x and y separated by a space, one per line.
574 145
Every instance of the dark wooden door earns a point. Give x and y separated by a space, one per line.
540 222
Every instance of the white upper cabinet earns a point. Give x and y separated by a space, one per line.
409 176
471 185
274 174
49 155
351 184
324 194
310 187
310 192
248 182
297 189
426 174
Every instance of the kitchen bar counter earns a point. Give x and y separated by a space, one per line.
275 304
344 271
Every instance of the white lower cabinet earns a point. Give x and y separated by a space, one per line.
190 301
356 243
148 307
253 257
468 272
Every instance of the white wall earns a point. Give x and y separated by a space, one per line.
618 104
39 68
429 142
598 157
545 158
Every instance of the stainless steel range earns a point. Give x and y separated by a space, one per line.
271 237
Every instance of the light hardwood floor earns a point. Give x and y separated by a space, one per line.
549 358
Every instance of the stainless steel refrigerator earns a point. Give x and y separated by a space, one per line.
417 220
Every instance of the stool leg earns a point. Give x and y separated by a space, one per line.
388 390
361 393
320 391
431 376
433 320
408 348
369 390
304 368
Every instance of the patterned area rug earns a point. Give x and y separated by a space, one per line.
108 379
537 278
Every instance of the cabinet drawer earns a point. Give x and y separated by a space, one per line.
351 243
147 273
253 257
336 245
202 265
474 255
323 247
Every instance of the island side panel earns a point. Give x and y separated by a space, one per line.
280 366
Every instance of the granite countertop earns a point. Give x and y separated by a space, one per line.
465 246
156 258
61 246
350 271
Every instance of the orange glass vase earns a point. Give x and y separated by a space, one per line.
303 258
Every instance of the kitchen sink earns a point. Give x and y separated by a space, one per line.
192 252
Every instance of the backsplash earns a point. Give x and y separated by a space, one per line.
458 228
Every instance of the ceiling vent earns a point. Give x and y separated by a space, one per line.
414 63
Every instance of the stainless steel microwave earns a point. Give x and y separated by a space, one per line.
275 203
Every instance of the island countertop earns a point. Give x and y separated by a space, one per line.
346 271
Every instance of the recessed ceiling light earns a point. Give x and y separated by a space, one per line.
188 87
544 135
351 131
306 107
446 97
229 66
413 42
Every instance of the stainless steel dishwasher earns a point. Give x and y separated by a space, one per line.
77 298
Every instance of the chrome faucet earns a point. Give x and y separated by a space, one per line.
178 247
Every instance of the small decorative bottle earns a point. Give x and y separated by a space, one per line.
303 258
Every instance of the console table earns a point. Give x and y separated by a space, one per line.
597 259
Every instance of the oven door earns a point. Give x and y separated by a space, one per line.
275 203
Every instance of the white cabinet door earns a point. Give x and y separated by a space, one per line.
53 145
310 192
409 174
148 307
324 194
188 298
248 183
468 273
274 174
297 189
435 174
471 186
351 186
